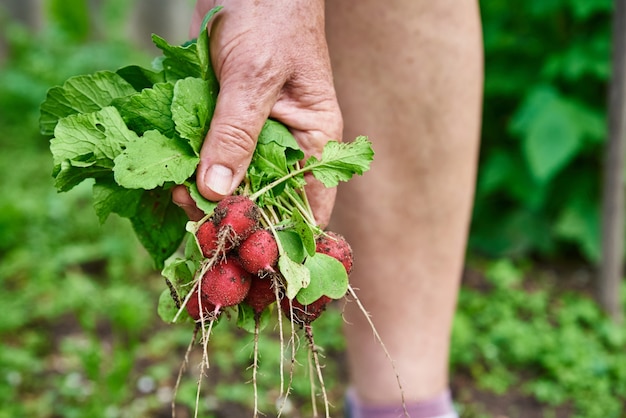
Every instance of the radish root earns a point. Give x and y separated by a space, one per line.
318 368
181 370
255 367
382 344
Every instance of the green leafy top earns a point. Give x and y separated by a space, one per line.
138 132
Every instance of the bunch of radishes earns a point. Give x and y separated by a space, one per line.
241 257
242 266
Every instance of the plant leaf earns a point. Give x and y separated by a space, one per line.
269 159
192 109
166 307
553 129
340 161
148 110
579 222
296 275
102 133
305 232
159 224
247 319
193 253
109 197
278 133
81 94
140 78
292 245
202 202
152 160
328 277
67 175
177 271
178 61
206 68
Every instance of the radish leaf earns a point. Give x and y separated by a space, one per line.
296 275
278 133
304 231
81 94
247 319
269 159
151 161
149 109
292 245
102 133
178 61
202 202
159 224
166 307
192 108
340 161
177 271
193 253
328 277
140 78
206 68
110 197
69 174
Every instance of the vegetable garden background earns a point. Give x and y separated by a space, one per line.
79 330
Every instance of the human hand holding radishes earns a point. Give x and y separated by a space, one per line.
271 60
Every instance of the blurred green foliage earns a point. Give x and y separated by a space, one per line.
547 68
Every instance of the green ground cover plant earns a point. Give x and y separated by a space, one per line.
524 332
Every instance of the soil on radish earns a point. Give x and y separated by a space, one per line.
261 294
209 239
193 306
259 253
226 283
336 246
304 314
239 215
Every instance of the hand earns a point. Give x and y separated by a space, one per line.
271 60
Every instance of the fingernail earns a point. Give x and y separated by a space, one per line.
219 179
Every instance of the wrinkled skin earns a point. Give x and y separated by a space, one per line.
271 60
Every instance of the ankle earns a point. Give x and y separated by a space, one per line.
440 406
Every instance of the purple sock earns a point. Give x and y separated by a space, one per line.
440 406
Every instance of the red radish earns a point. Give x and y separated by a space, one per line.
259 253
336 246
193 307
208 238
226 283
261 294
239 215
305 314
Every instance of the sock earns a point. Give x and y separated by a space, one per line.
438 407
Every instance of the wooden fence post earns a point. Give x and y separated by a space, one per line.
611 268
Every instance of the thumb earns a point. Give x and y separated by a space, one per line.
228 147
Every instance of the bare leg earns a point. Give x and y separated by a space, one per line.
409 75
